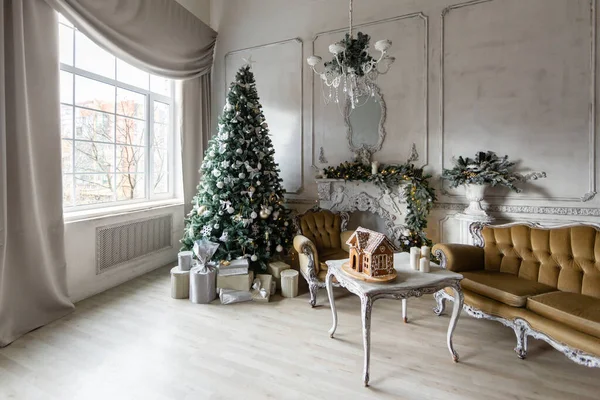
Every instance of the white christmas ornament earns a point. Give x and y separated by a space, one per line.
254 257
220 185
230 210
279 248
216 226
216 173
239 151
253 215
242 175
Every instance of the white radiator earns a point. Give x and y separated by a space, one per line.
121 243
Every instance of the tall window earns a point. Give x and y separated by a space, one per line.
117 134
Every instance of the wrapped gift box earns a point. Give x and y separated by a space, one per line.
265 283
235 282
275 269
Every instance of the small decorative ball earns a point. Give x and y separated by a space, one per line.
279 248
254 257
216 226
286 223
230 210
239 151
216 173
242 175
264 214
220 185
257 183
212 153
253 215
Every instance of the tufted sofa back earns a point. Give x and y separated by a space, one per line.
565 258
323 228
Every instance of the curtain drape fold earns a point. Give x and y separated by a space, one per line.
195 129
159 36
33 286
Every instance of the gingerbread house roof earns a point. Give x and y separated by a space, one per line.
367 240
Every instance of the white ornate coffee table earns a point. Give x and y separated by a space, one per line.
409 283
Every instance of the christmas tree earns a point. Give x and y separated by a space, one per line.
239 203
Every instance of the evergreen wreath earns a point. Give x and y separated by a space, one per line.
355 55
418 193
487 169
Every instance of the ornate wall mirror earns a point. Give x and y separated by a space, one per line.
365 123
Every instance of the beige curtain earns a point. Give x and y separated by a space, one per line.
159 36
195 132
33 289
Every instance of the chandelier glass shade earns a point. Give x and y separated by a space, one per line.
352 73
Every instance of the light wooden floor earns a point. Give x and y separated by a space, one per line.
135 342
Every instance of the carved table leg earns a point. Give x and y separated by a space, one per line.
441 303
328 282
456 309
404 312
366 306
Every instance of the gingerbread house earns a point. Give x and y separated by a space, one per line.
371 253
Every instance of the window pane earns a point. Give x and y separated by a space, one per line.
93 125
127 73
131 186
131 104
94 157
92 58
160 85
93 94
161 112
66 121
160 136
65 37
91 189
67 190
160 170
131 131
67 156
130 159
66 87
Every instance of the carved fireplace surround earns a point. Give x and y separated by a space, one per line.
339 195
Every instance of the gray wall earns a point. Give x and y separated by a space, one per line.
514 76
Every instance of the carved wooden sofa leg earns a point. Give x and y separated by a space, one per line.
521 333
441 302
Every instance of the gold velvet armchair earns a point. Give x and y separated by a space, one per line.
321 237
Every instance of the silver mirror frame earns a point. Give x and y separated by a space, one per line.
357 150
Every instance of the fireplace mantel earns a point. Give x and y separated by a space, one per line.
349 196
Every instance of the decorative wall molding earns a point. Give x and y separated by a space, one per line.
591 109
425 20
545 210
300 129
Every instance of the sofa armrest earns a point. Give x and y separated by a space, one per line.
308 257
344 236
459 257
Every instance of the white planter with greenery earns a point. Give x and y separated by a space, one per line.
475 194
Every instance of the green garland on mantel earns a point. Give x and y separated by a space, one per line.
419 195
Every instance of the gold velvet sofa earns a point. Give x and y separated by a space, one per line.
321 237
541 282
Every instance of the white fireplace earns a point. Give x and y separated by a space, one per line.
339 195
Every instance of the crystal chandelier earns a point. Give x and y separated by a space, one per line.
353 71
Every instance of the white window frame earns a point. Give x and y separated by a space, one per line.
151 97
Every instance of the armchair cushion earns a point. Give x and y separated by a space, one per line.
461 257
503 287
330 254
323 228
578 311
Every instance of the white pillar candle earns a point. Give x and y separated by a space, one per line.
424 265
426 252
415 255
375 167
184 259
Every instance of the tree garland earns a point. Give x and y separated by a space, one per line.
419 195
